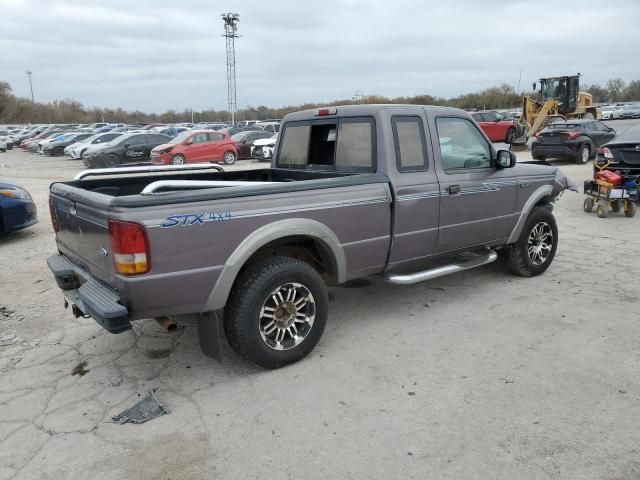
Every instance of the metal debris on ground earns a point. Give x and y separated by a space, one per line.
146 409
80 369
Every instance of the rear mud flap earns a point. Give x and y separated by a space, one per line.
211 334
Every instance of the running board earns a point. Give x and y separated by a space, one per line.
432 273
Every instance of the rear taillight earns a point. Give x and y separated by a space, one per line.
54 218
574 135
321 112
130 247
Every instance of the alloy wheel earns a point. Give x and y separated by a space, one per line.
287 316
540 243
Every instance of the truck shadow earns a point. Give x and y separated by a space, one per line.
349 315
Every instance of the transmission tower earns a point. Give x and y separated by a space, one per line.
231 33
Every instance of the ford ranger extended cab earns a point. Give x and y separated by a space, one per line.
404 191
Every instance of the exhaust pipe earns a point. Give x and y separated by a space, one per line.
167 324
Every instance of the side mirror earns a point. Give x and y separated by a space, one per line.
127 145
505 159
534 86
188 142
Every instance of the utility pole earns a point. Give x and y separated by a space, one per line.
30 85
519 79
231 33
358 96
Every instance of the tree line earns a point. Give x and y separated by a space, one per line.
20 110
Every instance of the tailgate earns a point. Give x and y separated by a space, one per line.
83 234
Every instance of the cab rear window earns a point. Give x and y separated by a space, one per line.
345 144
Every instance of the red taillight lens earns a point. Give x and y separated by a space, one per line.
321 112
573 135
130 247
54 218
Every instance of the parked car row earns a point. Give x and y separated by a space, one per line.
111 145
616 112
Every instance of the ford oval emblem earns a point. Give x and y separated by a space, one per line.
103 252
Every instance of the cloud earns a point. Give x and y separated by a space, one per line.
154 55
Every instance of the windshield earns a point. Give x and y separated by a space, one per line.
552 88
181 137
238 137
563 126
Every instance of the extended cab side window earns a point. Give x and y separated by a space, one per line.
408 134
462 146
354 149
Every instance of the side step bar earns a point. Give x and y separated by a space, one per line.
418 277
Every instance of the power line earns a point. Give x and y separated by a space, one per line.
231 33
358 96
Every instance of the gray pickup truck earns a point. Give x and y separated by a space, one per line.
404 191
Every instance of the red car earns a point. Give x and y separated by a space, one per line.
497 126
196 146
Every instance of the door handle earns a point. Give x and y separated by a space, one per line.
453 189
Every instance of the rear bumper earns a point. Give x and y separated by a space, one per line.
88 295
554 150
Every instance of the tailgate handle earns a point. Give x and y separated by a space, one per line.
453 189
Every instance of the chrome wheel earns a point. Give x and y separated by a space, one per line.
287 316
540 243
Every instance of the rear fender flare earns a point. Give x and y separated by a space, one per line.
536 197
308 228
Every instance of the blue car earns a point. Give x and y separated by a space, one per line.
17 210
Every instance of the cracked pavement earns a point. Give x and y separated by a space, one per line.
475 375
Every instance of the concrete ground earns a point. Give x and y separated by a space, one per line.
480 375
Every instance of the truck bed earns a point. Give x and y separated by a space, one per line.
127 186
192 234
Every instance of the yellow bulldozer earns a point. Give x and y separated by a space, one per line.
559 98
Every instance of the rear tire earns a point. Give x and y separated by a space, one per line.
583 155
616 206
535 249
112 161
630 209
178 160
511 136
229 158
588 116
277 312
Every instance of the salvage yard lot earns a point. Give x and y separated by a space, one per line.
476 375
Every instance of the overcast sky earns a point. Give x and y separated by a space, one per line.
155 55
